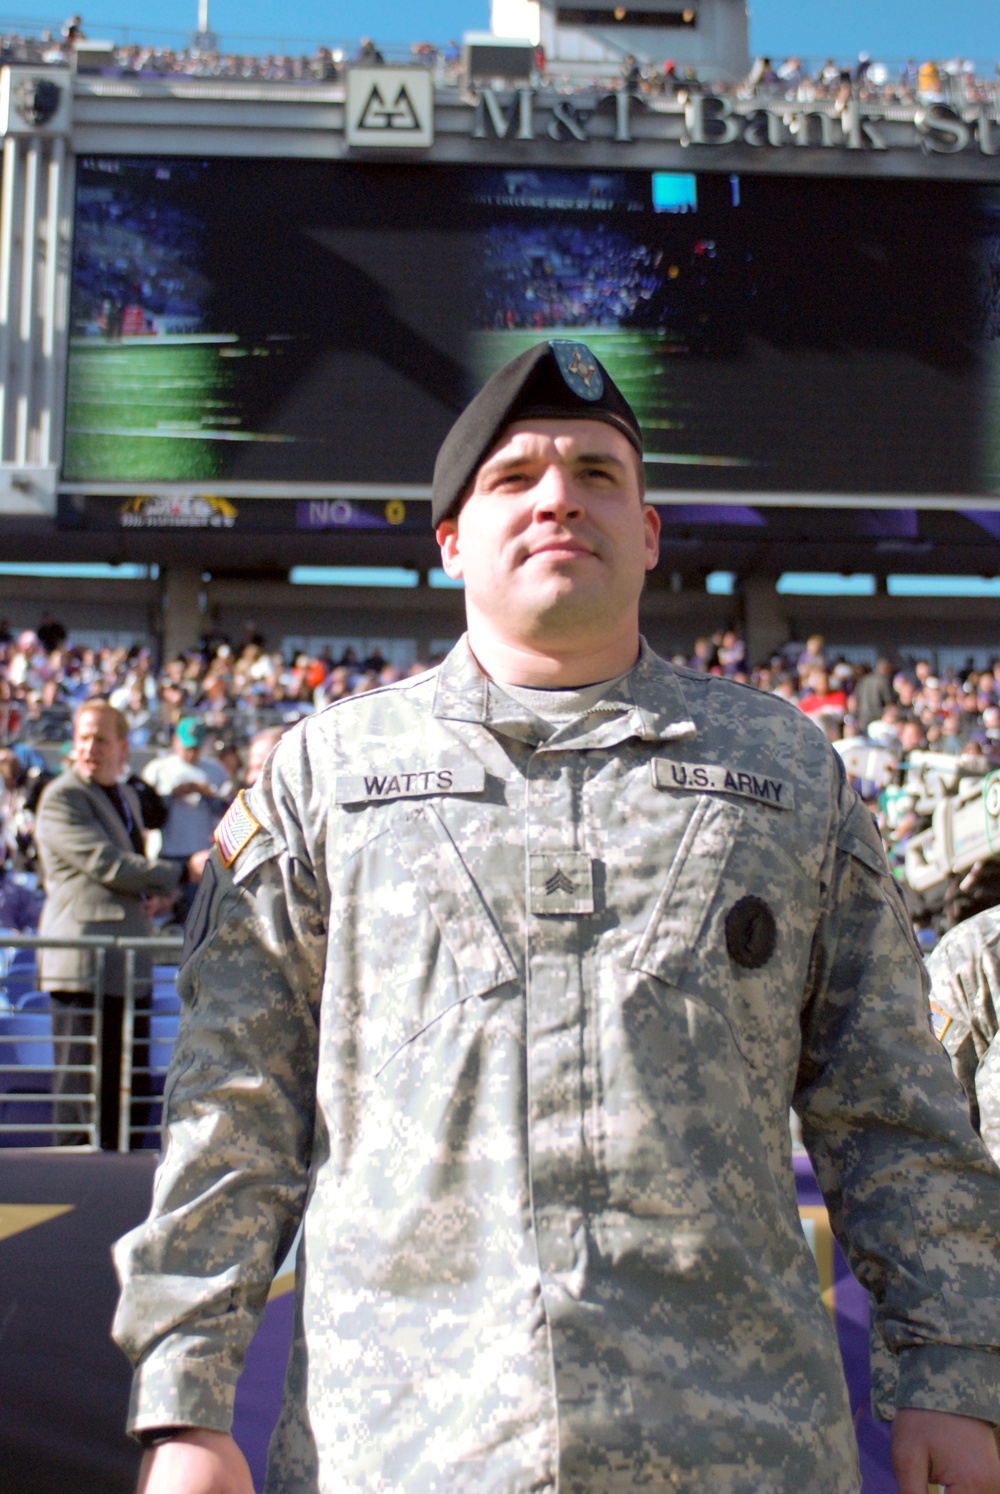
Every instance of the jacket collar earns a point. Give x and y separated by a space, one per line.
647 704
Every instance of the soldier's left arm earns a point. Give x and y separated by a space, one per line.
914 1198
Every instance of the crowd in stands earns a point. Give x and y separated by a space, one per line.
200 59
223 705
135 251
235 689
231 698
956 81
563 276
903 705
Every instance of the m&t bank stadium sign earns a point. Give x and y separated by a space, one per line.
707 120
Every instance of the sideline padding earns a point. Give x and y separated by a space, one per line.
64 1385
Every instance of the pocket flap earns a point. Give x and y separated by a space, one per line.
686 896
466 927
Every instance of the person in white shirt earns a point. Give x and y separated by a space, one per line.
190 785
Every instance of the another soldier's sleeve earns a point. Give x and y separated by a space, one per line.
230 1188
965 987
914 1198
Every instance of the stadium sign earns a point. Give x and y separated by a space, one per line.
35 101
177 511
389 108
180 509
713 121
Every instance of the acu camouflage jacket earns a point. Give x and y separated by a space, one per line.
512 1020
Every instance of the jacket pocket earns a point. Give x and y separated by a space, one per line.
683 944
423 939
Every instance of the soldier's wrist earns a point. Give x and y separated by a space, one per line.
155 1436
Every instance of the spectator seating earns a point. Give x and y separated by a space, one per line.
162 1036
26 1063
26 1053
163 1024
18 975
33 1001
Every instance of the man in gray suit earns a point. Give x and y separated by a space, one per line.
97 880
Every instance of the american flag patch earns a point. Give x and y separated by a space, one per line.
940 1022
235 830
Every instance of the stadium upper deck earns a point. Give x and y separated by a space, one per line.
908 82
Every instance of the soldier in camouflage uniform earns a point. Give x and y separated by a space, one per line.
965 983
501 983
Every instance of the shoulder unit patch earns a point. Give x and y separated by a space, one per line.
235 830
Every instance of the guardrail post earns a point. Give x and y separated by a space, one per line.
128 1032
100 956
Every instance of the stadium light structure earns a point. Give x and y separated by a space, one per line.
204 39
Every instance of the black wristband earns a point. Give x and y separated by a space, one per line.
153 1436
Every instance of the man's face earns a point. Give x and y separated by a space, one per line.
256 758
911 735
99 754
554 539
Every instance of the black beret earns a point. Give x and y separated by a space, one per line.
558 380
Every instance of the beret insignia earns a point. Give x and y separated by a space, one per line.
579 368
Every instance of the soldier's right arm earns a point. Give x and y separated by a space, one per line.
240 1105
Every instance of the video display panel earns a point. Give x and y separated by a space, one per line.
306 322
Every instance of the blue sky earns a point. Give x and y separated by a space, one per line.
890 29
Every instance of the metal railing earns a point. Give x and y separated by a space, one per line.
88 1092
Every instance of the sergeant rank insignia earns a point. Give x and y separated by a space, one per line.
561 883
577 366
236 830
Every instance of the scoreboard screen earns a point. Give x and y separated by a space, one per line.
313 322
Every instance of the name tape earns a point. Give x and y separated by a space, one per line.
414 783
712 778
